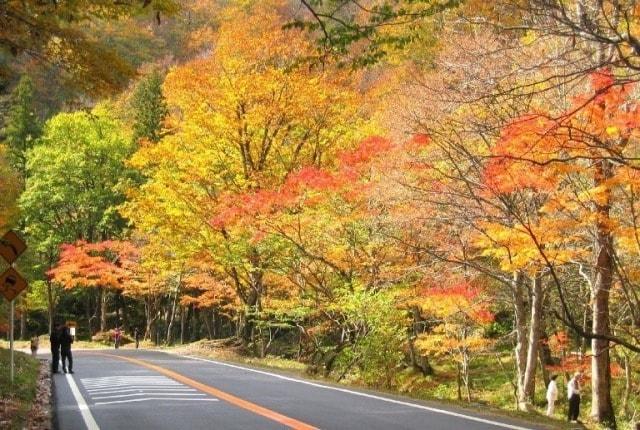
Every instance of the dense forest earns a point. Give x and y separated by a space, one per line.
402 193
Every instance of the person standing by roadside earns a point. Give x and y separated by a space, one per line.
54 338
573 394
65 348
117 335
552 395
136 336
35 342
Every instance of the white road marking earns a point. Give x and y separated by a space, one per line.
110 379
125 390
370 396
122 389
144 394
110 386
154 398
89 421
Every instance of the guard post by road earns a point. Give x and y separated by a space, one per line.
11 282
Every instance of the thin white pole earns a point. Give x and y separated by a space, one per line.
11 318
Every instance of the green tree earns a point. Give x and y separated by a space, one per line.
8 191
73 175
72 187
149 108
23 128
23 125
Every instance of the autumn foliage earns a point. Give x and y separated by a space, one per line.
402 225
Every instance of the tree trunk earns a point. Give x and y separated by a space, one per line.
123 312
248 322
207 324
529 380
23 318
466 377
194 331
624 405
171 318
150 317
459 382
521 337
183 318
50 305
254 298
601 404
103 310
544 352
116 300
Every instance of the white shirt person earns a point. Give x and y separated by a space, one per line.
552 395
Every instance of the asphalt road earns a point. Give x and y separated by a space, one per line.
136 389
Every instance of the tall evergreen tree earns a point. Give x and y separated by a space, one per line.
23 125
149 108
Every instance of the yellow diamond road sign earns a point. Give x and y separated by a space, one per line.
11 247
11 284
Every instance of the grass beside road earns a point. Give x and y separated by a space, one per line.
16 399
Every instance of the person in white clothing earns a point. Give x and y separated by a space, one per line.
552 395
573 394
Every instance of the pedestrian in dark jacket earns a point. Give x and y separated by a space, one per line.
117 337
65 348
54 338
136 336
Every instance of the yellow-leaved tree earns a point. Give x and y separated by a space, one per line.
243 116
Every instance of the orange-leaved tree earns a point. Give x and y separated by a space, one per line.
581 166
456 315
105 265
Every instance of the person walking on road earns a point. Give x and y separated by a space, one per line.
552 395
65 348
573 394
136 336
54 338
117 335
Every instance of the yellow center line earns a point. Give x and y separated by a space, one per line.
236 401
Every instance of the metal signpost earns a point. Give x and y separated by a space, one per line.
11 282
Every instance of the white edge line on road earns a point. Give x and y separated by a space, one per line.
89 421
155 398
358 393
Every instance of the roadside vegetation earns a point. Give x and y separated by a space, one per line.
17 398
434 197
493 384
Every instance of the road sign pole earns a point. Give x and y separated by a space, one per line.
11 318
11 283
